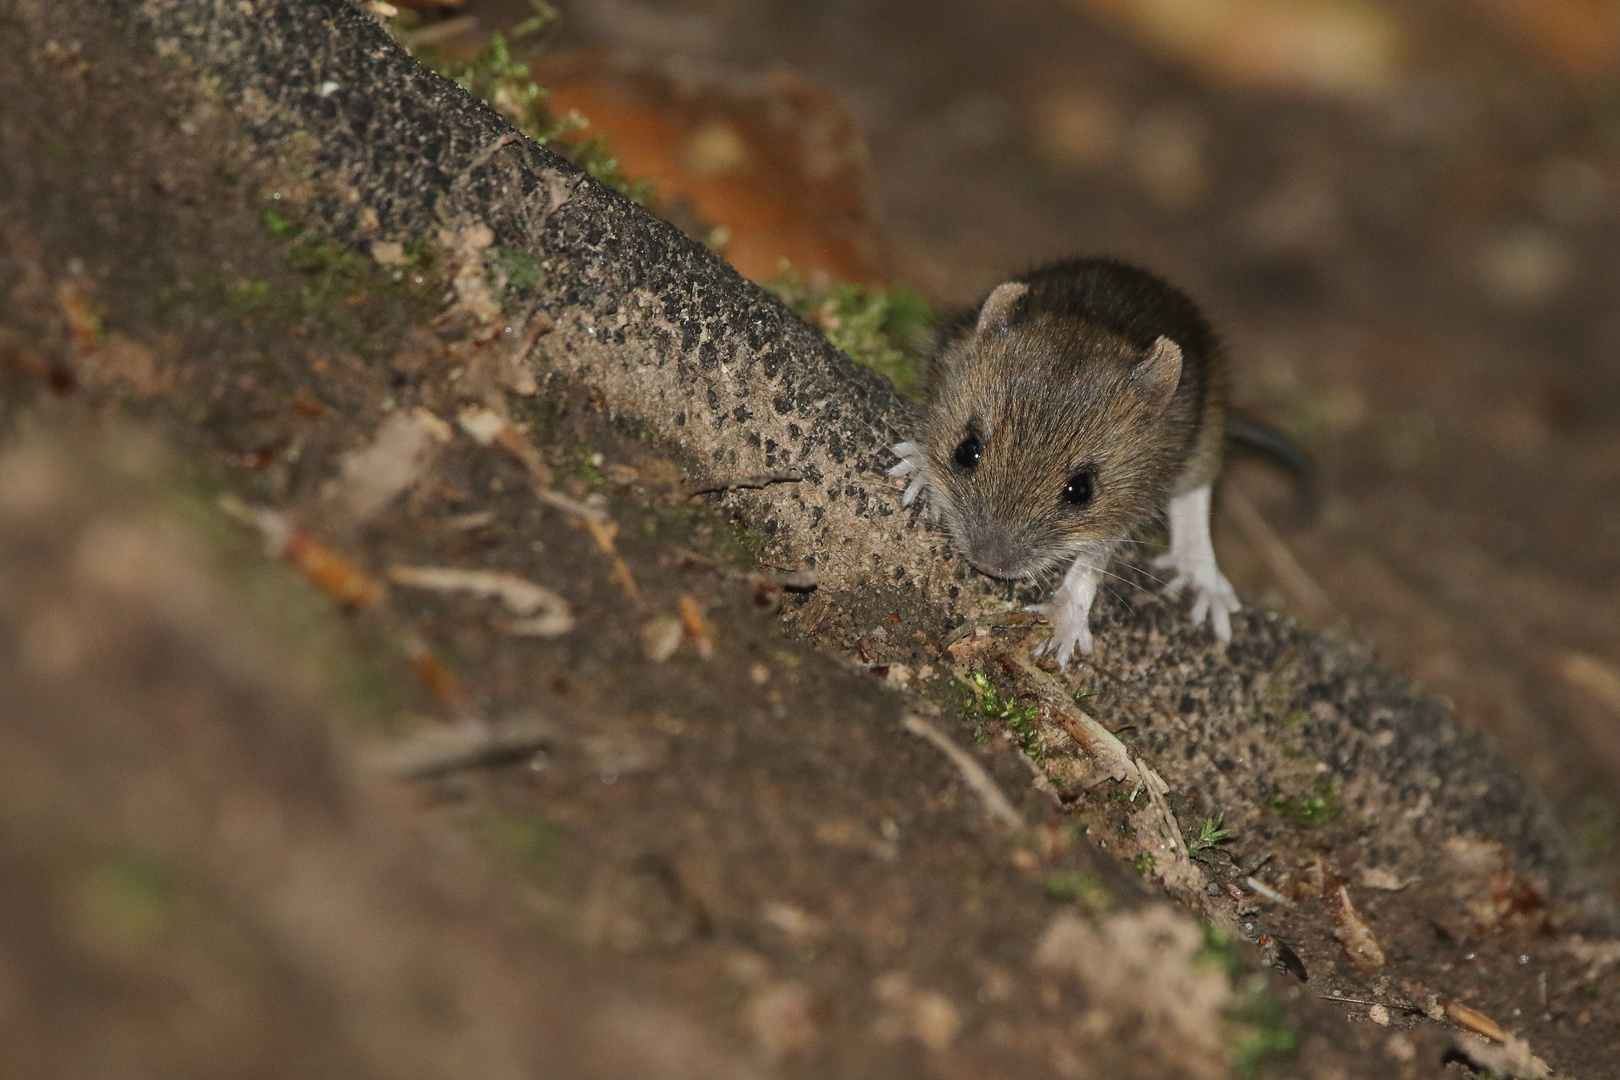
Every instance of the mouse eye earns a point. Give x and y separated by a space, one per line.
1079 489
969 451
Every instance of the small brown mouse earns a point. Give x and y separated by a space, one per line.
1085 398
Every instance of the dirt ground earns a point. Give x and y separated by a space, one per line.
705 846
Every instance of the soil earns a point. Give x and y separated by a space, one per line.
734 860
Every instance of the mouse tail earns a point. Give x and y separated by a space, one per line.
1247 433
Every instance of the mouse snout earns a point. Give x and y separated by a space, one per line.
997 554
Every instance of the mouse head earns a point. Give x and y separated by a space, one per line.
1047 435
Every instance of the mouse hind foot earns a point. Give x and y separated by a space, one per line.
1192 558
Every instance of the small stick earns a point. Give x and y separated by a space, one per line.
1413 1009
443 752
1294 578
562 502
995 803
758 481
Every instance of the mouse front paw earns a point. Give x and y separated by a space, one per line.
913 468
1213 596
1071 632
1062 645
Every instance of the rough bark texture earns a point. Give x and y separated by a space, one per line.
667 331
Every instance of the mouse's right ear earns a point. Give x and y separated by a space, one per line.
997 312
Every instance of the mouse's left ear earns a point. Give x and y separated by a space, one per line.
1158 373
997 312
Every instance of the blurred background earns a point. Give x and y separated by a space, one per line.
1402 216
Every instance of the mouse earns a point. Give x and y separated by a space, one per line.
1075 405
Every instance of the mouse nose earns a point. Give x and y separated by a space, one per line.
998 555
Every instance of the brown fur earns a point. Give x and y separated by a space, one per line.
1049 377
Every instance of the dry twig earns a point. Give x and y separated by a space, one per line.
996 805
704 487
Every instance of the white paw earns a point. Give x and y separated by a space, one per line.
1070 607
1213 595
912 464
1064 641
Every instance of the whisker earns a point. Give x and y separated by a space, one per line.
1115 594
1105 572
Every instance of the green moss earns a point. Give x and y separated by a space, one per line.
505 84
248 299
887 330
1144 864
1017 719
513 270
1313 810
584 466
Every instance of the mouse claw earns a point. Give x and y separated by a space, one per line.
1062 646
1214 599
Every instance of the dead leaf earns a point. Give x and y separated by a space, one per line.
83 321
1380 878
698 629
1345 48
1475 1021
333 573
442 683
774 166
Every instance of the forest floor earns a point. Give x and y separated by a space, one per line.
693 798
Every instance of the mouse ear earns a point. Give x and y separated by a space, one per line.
1157 374
998 310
